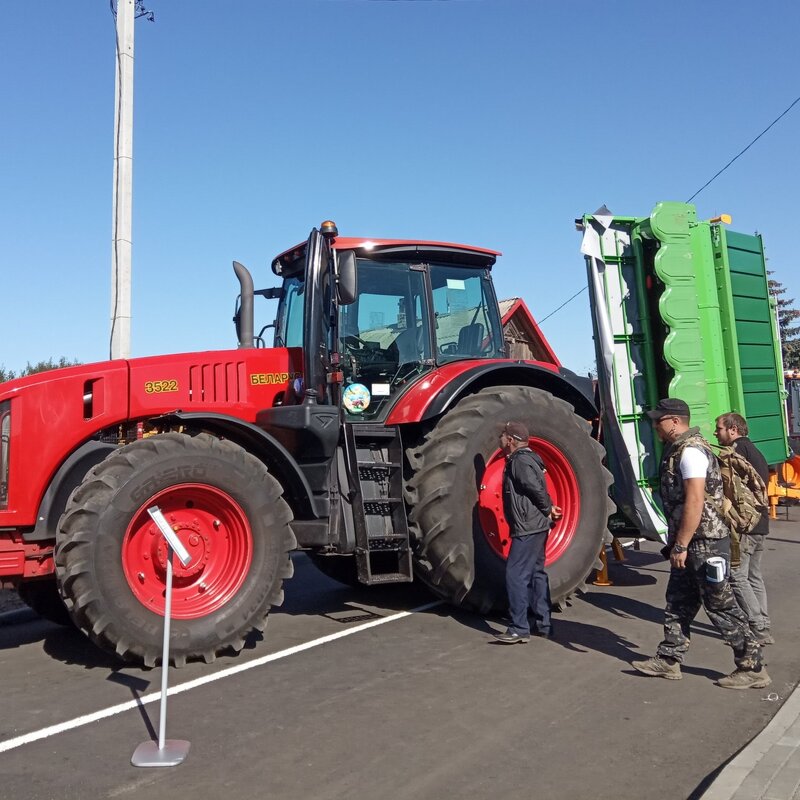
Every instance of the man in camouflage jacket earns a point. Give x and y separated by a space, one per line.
691 492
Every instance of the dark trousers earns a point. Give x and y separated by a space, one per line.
527 583
688 589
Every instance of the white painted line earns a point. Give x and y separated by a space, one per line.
111 711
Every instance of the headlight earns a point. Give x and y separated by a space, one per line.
5 447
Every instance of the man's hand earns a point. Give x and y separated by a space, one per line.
677 560
556 513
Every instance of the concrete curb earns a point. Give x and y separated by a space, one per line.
730 780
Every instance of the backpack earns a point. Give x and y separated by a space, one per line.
744 498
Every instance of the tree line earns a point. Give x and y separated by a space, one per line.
39 366
788 323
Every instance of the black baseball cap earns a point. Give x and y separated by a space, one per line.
669 407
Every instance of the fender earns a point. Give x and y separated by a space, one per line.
437 392
265 447
68 477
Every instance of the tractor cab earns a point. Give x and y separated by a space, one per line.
410 307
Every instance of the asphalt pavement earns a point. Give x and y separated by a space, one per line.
357 694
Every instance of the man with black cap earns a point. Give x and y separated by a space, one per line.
529 513
691 492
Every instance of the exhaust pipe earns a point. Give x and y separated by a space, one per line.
244 316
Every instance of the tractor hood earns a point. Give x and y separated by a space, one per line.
57 411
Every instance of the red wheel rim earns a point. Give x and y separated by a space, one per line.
562 486
213 528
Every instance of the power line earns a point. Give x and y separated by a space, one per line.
544 319
772 124
777 119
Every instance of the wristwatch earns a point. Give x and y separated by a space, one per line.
679 548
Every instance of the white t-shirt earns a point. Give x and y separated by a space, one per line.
694 463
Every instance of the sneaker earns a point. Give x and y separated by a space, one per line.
509 637
745 679
658 667
764 637
544 633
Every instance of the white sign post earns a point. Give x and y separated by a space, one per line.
165 752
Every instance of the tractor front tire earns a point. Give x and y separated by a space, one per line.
111 558
452 553
44 599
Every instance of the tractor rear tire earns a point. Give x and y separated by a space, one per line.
44 599
452 554
111 559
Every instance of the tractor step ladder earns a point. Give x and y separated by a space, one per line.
375 460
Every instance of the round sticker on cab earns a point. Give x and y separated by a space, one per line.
355 398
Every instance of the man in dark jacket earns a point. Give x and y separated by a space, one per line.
529 512
747 580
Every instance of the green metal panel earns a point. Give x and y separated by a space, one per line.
757 342
696 349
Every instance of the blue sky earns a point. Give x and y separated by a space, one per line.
490 122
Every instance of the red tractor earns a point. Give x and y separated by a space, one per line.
367 437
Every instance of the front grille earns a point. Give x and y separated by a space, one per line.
219 382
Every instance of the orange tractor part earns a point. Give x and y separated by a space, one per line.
784 483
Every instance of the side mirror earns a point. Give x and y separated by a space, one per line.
347 278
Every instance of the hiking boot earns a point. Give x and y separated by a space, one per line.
510 637
764 637
658 667
745 679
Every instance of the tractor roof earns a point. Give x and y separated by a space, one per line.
403 248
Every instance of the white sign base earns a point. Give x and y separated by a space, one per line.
149 754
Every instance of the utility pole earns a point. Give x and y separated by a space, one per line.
120 342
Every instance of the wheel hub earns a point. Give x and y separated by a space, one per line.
197 543
562 486
213 528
